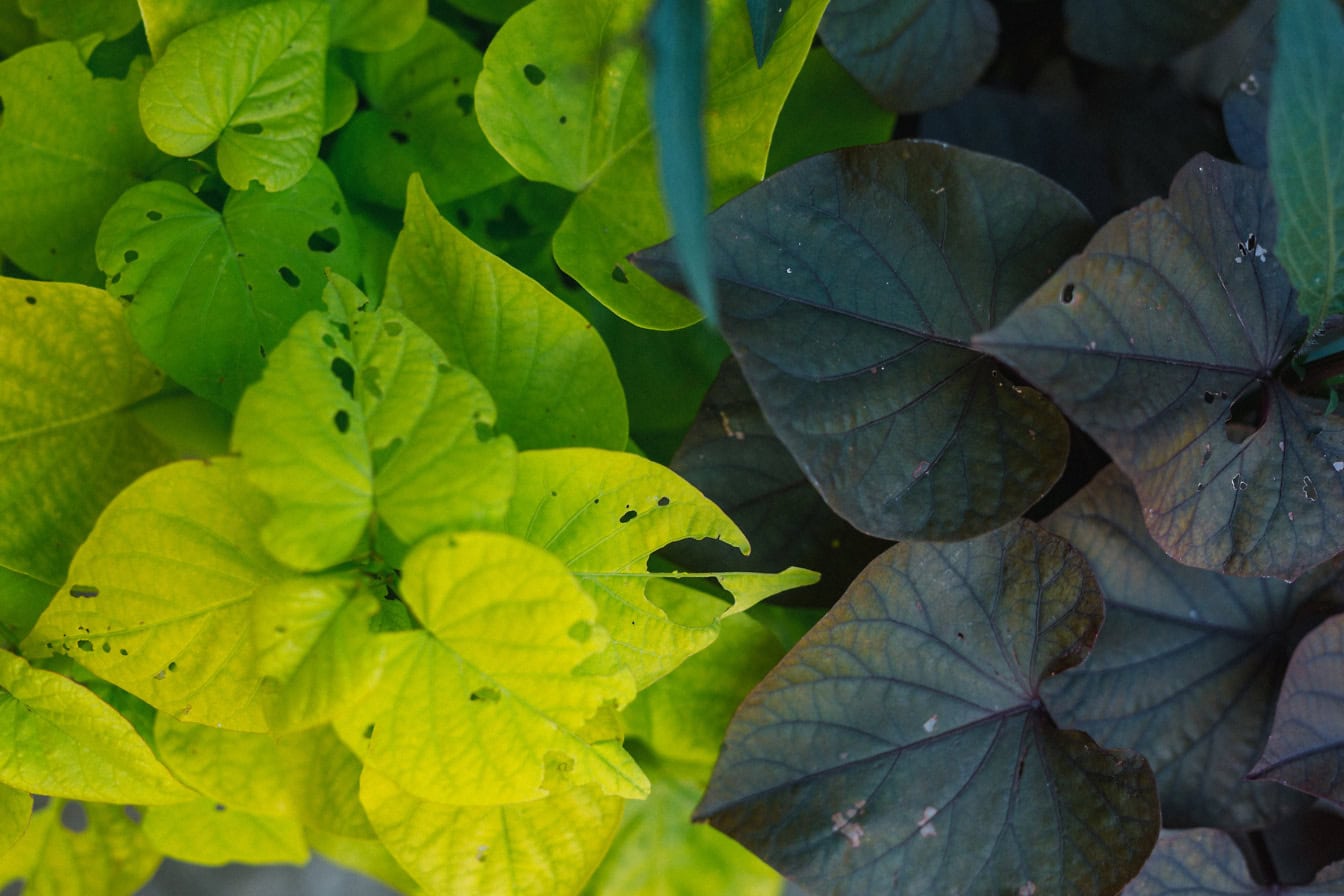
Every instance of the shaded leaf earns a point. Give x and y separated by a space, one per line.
840 300
211 292
500 672
67 443
262 98
110 856
374 26
420 117
68 19
359 414
902 739
323 780
1173 319
766 16
1246 107
191 583
205 832
545 847
1306 745
1142 33
367 857
545 367
70 144
1187 666
1207 862
1306 154
910 54
587 128
17 31
241 769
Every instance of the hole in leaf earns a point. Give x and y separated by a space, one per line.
664 501
580 631
564 119
344 330
324 240
124 652
250 128
341 369
485 695
153 215
533 74
31 300
40 802
85 645
368 732
132 813
1066 294
83 591
107 647
401 137
1246 415
14 888
130 255
629 515
466 103
172 667
342 421
290 278
618 274
392 328
219 807
116 278
328 340
74 818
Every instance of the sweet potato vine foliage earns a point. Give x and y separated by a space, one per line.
381 469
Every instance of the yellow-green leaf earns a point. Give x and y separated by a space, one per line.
205 832
16 806
323 779
80 848
241 769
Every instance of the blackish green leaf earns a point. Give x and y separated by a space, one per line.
851 285
1207 862
902 741
1162 340
765 18
1142 33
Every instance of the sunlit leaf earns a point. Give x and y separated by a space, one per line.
323 781
1187 666
1306 745
70 144
543 364
158 598
851 285
1162 340
373 26
586 127
902 739
359 413
1207 862
1142 33
80 848
212 292
251 80
205 832
241 769
16 807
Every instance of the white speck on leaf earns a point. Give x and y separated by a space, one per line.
927 816
928 831
1027 889
1250 87
931 724
920 469
482 852
788 270
843 823
1338 465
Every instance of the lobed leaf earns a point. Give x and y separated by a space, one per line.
1171 321
851 285
109 854
902 741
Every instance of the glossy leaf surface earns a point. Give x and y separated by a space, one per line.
1172 314
1142 33
1306 745
851 285
910 54
545 366
1207 862
109 856
212 292
1186 669
902 738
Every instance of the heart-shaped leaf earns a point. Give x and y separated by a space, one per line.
1142 33
851 285
911 54
1163 340
902 741
1207 862
109 854
1186 668
1306 745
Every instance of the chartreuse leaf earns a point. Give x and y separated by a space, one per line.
374 26
766 16
1162 339
544 365
16 806
1306 745
166 19
498 686
17 31
903 739
357 414
545 847
323 780
240 769
912 55
1142 33
68 19
1186 668
1306 154
1208 862
368 857
63 741
496 11
419 117
68 373
80 848
604 514
70 144
157 600
586 127
213 292
252 80
205 832
851 285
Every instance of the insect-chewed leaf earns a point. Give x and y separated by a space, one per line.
902 741
1163 340
108 854
850 286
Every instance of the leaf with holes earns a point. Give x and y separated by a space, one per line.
1143 33
70 144
80 848
360 416
1164 340
1208 862
1187 666
251 80
535 848
173 563
851 285
586 127
903 738
419 117
212 292
500 684
912 55
68 444
1306 745
544 365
